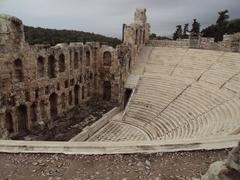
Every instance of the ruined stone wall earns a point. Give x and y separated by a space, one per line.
230 43
138 32
39 83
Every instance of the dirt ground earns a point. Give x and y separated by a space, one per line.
158 166
71 123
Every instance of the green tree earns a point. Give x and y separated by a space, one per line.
185 31
221 25
178 33
233 26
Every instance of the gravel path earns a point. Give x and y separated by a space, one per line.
169 166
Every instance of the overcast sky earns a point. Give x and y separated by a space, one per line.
107 16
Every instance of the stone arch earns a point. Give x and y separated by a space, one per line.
88 89
22 116
43 110
76 60
83 92
63 101
9 122
129 62
53 99
136 37
51 67
61 63
40 67
107 58
81 55
144 36
76 94
107 92
18 69
70 98
33 112
88 58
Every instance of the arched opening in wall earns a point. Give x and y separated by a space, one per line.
63 101
40 67
9 123
43 110
88 58
76 94
144 36
18 69
51 67
22 116
61 63
81 56
129 63
33 112
53 105
107 92
136 37
139 36
88 89
76 60
71 59
70 98
83 92
127 95
107 58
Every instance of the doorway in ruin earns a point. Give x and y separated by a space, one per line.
22 119
43 110
40 67
33 112
88 58
83 92
9 122
127 95
63 101
107 90
76 94
53 105
51 67
107 58
18 68
61 63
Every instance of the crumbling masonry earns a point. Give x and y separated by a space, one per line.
39 83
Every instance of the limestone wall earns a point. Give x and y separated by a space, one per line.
230 43
39 83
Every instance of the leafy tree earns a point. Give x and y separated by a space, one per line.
233 26
153 36
178 33
210 31
223 16
185 31
222 26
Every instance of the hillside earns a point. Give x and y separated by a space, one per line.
52 36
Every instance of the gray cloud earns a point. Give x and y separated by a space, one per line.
106 16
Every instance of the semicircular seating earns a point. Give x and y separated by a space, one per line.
173 108
183 94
